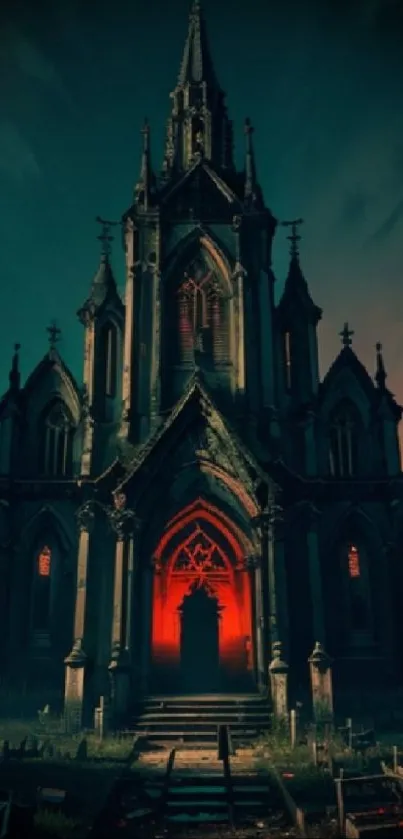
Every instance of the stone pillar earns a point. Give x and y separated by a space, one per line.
268 523
315 576
279 683
255 563
123 522
321 683
76 660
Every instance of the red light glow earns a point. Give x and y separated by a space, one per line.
202 548
44 559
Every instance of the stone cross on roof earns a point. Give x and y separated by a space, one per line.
346 335
54 334
105 235
294 236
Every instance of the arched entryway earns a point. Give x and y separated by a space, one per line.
200 641
201 605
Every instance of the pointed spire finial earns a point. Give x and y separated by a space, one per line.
294 236
250 166
143 186
54 334
381 374
14 374
105 236
346 335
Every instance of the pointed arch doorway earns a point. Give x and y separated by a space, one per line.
201 606
200 641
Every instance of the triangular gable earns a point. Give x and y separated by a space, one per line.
50 362
347 360
219 439
202 190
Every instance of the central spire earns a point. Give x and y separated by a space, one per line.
197 65
198 128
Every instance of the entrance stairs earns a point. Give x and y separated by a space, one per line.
194 720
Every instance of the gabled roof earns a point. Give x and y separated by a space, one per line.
195 402
52 362
204 173
347 359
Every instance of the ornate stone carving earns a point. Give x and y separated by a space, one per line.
123 521
86 516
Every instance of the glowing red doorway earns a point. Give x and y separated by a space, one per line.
201 550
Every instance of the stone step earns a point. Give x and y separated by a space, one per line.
180 726
230 713
209 734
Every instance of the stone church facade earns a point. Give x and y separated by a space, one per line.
203 505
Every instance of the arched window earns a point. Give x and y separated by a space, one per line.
343 443
109 358
57 440
359 609
202 321
42 590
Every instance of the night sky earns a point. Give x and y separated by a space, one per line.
322 82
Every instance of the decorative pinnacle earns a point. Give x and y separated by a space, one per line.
346 335
294 236
14 375
54 334
381 374
105 235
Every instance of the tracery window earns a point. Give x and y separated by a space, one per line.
203 316
200 558
343 444
42 590
57 439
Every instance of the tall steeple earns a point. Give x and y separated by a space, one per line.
145 182
250 193
198 127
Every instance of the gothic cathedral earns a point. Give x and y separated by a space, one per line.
203 508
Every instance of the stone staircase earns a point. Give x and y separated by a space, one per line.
194 720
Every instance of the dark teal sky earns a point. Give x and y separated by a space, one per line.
322 82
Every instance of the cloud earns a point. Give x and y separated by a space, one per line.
17 159
388 226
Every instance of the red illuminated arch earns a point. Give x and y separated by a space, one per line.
202 547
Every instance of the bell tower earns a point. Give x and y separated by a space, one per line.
198 239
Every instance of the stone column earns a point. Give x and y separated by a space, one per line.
76 660
268 523
123 522
315 576
254 563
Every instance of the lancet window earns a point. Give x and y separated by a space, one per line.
203 316
343 444
57 441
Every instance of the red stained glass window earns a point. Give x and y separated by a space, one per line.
353 562
44 560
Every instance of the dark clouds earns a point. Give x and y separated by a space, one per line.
322 82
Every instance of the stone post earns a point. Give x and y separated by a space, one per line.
321 684
279 683
123 522
76 660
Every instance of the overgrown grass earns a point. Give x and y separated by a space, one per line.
109 748
56 824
